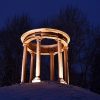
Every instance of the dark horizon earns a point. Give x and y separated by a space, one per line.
84 46
40 10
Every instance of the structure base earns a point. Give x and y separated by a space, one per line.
61 80
36 79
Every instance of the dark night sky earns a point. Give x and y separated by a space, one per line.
42 9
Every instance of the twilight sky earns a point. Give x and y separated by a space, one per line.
42 9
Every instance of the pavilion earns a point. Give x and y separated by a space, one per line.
32 43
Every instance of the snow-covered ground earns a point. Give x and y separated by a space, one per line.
46 91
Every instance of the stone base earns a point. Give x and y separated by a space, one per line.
61 80
36 79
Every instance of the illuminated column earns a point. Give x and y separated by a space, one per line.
37 74
60 63
23 74
31 66
51 66
66 69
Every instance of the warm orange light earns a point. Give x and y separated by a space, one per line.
32 41
36 79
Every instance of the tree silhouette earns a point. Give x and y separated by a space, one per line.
73 22
12 52
83 48
95 86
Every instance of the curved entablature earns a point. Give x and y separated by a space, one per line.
44 33
45 49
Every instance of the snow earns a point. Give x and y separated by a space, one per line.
46 91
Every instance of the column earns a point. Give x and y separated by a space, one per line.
37 74
24 60
31 66
52 66
66 69
60 63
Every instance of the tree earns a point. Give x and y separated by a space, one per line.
81 48
73 22
95 83
12 52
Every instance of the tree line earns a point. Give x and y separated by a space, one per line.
84 48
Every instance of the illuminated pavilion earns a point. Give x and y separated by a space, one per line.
32 43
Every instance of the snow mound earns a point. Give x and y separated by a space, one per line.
46 91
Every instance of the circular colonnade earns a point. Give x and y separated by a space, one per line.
32 43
